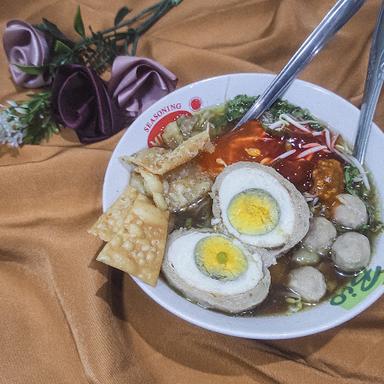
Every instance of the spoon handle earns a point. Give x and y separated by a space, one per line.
373 84
341 12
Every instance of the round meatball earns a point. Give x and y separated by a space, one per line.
320 235
351 252
351 212
303 256
308 282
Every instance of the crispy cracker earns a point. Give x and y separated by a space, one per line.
160 160
136 181
153 186
138 248
110 222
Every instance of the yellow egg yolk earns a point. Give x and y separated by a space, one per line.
218 258
253 212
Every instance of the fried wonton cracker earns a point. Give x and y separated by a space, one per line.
138 248
153 186
136 181
160 160
110 222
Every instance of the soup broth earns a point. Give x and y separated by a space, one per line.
307 154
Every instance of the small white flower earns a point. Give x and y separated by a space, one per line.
12 103
11 130
21 110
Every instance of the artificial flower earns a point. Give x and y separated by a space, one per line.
137 82
80 101
26 46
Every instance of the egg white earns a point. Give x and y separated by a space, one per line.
242 179
181 257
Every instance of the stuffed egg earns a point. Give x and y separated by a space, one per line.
215 270
260 208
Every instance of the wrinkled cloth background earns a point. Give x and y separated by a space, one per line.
65 318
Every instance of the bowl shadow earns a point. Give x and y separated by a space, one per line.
197 348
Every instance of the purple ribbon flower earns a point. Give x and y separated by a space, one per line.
137 82
26 46
81 101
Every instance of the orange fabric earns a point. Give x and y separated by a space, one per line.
66 318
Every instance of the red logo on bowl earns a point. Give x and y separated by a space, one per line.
154 137
195 103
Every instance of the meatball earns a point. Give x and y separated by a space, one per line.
351 212
308 282
351 252
320 235
303 256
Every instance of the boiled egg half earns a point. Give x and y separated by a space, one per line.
215 270
254 205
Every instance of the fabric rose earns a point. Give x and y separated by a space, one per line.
137 82
25 45
81 101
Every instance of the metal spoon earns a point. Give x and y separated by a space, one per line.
373 85
341 12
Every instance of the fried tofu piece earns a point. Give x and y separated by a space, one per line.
113 219
160 160
184 186
138 248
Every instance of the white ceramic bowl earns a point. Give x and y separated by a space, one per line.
342 117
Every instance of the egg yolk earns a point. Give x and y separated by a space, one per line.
218 258
253 212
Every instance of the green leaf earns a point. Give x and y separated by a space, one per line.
237 107
61 48
121 13
51 29
78 23
30 69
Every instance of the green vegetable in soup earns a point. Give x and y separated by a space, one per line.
281 107
353 184
237 107
220 118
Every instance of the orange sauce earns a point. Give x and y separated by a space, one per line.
252 143
328 181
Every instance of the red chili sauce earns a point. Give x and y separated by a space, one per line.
252 143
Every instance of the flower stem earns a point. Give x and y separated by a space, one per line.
134 19
100 49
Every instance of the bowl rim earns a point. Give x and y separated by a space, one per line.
313 329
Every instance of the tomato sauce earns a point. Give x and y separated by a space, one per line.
252 143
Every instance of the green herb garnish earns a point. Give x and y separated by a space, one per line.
238 106
281 107
223 116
